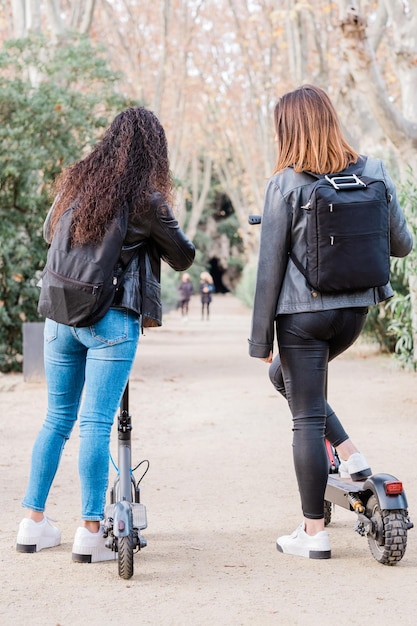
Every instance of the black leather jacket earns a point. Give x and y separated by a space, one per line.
160 229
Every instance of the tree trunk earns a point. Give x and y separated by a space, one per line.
26 16
401 131
82 15
160 82
19 18
199 192
54 18
399 125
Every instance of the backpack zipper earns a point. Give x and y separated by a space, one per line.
94 288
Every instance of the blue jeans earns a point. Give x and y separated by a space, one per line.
97 361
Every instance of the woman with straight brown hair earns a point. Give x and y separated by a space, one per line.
312 328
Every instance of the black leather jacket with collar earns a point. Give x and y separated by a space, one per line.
280 286
159 227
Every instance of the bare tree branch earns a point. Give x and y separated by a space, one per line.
368 79
19 18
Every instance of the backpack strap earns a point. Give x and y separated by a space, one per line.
298 265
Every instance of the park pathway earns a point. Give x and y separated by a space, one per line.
220 489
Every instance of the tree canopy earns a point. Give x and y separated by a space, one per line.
53 102
212 71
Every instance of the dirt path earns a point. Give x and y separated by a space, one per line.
220 489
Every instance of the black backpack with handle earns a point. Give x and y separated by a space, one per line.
347 235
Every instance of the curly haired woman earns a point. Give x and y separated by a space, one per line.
128 167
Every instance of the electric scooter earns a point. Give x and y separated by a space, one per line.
125 515
379 502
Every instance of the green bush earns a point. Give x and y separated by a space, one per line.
400 306
229 226
246 287
389 324
53 103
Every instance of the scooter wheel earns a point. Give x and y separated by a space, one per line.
388 538
327 512
125 555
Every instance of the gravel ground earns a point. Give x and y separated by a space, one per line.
220 489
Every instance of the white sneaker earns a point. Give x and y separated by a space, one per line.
310 546
34 536
91 547
356 467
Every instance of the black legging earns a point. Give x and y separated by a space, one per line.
307 342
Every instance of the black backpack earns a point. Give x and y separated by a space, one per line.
347 236
79 284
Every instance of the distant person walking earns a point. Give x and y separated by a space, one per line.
206 289
185 291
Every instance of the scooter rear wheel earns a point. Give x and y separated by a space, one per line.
388 538
125 554
327 512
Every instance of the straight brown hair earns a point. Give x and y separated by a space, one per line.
309 134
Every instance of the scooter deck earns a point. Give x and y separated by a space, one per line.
338 490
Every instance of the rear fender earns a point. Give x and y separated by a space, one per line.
376 484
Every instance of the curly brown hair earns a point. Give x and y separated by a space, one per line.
127 166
